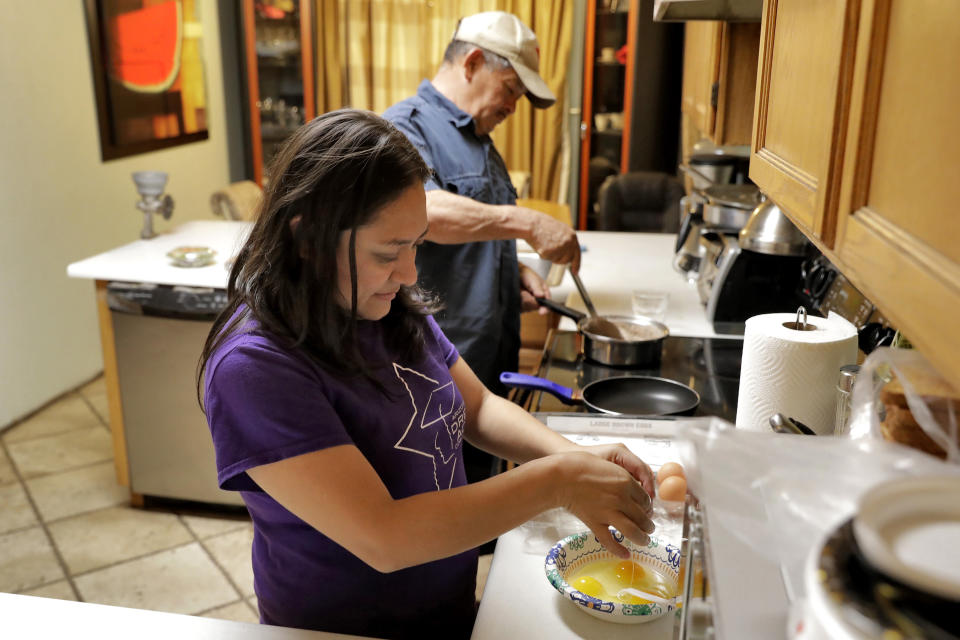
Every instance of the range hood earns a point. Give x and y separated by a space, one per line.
728 10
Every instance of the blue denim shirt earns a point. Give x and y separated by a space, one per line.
478 282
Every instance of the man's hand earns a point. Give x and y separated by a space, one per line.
553 240
532 286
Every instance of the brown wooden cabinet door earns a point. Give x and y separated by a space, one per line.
736 82
719 77
806 53
701 57
898 231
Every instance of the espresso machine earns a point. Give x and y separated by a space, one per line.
716 173
758 270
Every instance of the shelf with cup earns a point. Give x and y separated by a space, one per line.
626 53
616 133
611 27
278 53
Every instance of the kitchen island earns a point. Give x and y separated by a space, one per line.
615 263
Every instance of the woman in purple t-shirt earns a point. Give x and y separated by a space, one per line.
338 408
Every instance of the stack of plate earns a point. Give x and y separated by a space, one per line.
893 570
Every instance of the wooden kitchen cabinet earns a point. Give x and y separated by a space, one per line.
898 235
855 137
719 76
701 53
806 54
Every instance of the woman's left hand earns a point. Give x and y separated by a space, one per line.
620 455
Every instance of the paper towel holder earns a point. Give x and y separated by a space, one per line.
797 325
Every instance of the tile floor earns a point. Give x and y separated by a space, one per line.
67 529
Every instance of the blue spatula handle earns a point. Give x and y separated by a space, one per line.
524 381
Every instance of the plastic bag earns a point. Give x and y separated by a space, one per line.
545 530
542 532
781 494
932 401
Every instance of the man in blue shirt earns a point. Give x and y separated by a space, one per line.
470 255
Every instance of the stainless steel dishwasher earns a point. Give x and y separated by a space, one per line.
159 331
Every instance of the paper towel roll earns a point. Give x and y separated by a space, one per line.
793 372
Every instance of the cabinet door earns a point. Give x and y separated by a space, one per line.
806 50
701 55
736 82
898 232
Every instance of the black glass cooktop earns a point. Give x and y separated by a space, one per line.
711 366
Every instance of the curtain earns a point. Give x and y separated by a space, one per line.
373 53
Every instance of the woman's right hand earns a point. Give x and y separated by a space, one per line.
604 494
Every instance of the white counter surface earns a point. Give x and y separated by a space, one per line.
32 617
146 260
616 263
613 265
518 600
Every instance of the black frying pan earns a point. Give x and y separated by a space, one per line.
622 395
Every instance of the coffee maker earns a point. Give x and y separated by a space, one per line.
709 167
757 271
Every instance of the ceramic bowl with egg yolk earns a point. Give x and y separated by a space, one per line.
573 553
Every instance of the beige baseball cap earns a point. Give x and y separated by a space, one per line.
504 34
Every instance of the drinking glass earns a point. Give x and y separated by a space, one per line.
650 304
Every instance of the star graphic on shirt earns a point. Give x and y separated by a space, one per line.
435 408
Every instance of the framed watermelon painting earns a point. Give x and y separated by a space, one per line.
147 74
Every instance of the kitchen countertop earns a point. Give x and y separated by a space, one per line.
33 617
146 260
518 601
615 263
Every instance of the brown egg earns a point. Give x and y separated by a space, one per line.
673 489
669 469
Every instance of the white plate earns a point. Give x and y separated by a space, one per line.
191 256
909 529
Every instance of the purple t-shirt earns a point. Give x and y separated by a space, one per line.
266 403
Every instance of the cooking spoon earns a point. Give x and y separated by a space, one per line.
597 324
630 591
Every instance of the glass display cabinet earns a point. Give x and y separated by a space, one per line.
278 52
607 94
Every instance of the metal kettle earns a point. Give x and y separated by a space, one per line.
770 231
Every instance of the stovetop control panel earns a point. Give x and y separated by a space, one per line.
829 290
843 298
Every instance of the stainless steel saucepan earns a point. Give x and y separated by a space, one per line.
640 347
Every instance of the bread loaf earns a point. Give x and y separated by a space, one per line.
900 425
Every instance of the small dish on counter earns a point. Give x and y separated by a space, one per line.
658 559
192 256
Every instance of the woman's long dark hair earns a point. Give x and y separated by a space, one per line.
333 175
